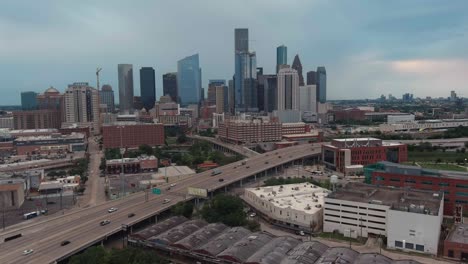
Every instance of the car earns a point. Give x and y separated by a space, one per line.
168 188
173 184
104 222
28 251
113 209
253 214
221 180
247 167
131 215
279 157
266 162
165 201
301 233
64 243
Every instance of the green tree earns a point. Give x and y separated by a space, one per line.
92 255
181 139
145 149
183 208
223 208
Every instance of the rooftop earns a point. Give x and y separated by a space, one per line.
223 241
172 171
51 137
398 168
300 196
459 234
130 160
246 247
159 228
202 236
415 201
305 253
178 232
274 251
341 255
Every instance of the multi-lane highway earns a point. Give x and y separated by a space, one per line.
82 227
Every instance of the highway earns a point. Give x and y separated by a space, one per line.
81 227
235 148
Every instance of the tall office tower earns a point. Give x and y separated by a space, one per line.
260 90
170 86
212 84
202 95
245 82
308 99
106 96
221 94
241 40
82 105
288 89
281 56
147 87
231 96
311 78
125 88
321 85
297 65
189 80
270 89
28 100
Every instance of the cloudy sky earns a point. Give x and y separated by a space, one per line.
368 47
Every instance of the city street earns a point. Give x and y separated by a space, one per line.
94 193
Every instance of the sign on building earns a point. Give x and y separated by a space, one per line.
198 192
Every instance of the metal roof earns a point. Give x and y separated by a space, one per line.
274 251
179 232
223 241
370 258
159 228
338 255
406 261
305 253
246 247
201 236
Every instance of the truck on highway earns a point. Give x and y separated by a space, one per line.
215 172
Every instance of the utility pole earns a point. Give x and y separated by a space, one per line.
98 70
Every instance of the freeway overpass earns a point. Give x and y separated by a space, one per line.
226 147
81 226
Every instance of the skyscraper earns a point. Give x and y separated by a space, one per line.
245 81
281 56
308 99
221 94
311 78
288 89
212 84
297 65
321 84
29 100
241 40
125 88
147 87
170 86
53 101
106 96
270 90
82 105
231 96
189 80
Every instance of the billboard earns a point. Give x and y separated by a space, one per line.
198 192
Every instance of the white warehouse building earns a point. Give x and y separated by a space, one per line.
411 220
297 206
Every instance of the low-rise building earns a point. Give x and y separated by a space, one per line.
342 153
456 243
12 192
297 206
438 124
411 220
132 165
50 144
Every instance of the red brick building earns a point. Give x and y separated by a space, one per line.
456 243
453 184
37 119
132 135
253 131
349 114
294 128
342 153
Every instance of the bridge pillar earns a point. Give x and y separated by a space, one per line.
225 189
255 177
276 170
155 219
240 182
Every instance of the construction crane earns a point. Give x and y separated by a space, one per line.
98 70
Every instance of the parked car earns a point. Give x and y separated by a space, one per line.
113 209
253 214
104 222
166 201
173 184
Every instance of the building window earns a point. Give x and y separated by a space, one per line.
427 182
394 180
410 181
380 178
461 193
409 245
461 202
462 186
443 184
420 247
450 254
398 244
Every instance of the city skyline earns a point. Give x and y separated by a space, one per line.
370 49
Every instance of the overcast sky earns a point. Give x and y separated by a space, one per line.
369 47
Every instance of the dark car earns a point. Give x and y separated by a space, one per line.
64 243
131 215
221 180
105 222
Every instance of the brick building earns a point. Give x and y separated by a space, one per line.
349 114
249 131
341 154
132 135
37 119
456 243
294 128
132 165
453 184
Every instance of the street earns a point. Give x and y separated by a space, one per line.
94 193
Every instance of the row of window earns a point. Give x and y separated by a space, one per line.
352 206
444 184
407 245
350 224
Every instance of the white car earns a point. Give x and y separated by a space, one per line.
253 214
173 184
166 201
113 209
28 251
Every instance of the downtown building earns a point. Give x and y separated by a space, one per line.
249 131
189 80
245 73
132 135
106 96
125 72
287 89
82 107
321 80
170 86
281 56
147 87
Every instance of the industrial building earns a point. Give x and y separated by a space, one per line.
297 206
341 154
55 143
197 240
453 184
411 220
132 165
438 124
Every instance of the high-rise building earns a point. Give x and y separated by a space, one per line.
147 87
82 105
281 56
189 80
125 88
321 84
241 40
245 81
270 89
106 96
297 65
51 99
311 78
221 99
29 100
231 96
170 86
288 89
37 119
212 84
307 98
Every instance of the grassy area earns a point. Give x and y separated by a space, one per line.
432 156
442 166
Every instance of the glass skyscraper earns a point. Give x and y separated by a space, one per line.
29 100
106 96
170 86
147 87
297 65
321 84
241 39
245 81
189 80
125 88
281 56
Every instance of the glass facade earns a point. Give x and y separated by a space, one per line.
321 85
245 81
170 86
281 56
29 100
189 80
125 88
147 87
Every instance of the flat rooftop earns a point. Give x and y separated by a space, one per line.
459 234
416 201
130 160
301 196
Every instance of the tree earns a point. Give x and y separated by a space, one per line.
145 149
181 139
99 255
438 160
183 208
91 255
223 208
